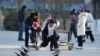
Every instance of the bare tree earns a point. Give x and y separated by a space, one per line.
19 2
1 1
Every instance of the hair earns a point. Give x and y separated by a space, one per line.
51 21
35 13
23 7
48 15
31 14
87 11
73 12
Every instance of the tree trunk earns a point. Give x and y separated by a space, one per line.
94 13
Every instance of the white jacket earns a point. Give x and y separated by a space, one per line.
89 20
51 29
81 24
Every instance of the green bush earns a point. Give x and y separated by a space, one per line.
11 21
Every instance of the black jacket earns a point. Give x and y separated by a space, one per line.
21 16
29 21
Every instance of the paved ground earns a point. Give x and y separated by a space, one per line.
9 45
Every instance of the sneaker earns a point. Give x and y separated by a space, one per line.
39 46
79 47
56 52
34 46
84 41
56 49
92 41
51 49
20 39
27 47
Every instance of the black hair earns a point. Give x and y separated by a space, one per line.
35 13
51 21
87 11
23 7
31 14
73 12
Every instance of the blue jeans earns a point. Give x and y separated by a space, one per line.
21 29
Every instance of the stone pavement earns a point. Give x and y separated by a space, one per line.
9 45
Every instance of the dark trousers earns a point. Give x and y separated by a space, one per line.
26 36
32 36
72 30
52 40
44 39
80 41
89 33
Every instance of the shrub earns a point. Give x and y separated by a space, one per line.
11 21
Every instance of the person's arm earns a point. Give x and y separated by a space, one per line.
21 16
91 17
54 25
26 21
80 21
44 24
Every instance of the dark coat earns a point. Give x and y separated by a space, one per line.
21 15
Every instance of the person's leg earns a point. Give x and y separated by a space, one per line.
54 41
32 36
44 39
83 38
69 36
51 44
44 43
57 37
70 33
26 37
21 29
91 36
80 42
75 32
86 34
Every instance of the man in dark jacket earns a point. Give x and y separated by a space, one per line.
21 18
32 18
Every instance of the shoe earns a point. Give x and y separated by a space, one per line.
79 47
20 39
34 46
56 53
27 47
92 41
56 49
84 41
40 46
51 50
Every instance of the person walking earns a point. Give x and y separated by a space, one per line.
21 17
88 26
81 28
73 23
